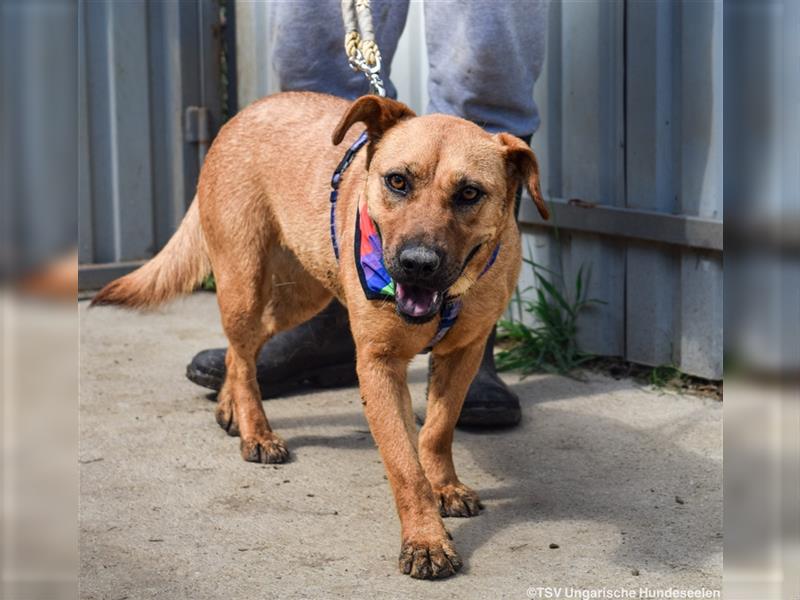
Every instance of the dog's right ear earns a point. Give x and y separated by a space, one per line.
378 114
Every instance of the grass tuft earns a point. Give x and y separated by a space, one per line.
550 346
209 284
665 375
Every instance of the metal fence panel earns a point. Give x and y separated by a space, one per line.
674 166
142 65
656 158
652 298
582 145
118 90
254 75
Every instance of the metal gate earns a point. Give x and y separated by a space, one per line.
149 104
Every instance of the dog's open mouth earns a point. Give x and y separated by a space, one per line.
417 302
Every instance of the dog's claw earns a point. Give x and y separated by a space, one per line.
458 501
429 561
265 450
226 419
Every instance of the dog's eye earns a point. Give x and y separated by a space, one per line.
397 183
468 195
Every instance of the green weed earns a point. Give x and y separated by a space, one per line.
209 284
665 375
551 345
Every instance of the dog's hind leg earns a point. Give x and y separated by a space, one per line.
259 297
241 292
450 377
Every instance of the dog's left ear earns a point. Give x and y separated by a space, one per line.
523 167
378 114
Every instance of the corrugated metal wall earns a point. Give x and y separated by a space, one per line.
141 65
631 104
580 146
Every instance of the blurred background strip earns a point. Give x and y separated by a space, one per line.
38 323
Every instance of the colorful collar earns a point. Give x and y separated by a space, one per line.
372 273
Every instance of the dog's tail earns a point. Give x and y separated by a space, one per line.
177 269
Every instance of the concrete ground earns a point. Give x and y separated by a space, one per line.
625 481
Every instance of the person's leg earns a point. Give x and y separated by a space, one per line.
308 54
308 45
485 57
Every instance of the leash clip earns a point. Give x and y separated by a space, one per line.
358 63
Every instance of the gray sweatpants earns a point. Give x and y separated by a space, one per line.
485 55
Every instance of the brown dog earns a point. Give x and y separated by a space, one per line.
440 192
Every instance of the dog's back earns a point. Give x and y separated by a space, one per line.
264 170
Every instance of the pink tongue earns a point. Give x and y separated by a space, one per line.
415 301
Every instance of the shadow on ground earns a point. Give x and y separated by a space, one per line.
583 467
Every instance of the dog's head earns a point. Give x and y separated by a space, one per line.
440 191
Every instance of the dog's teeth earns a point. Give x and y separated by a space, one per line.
415 301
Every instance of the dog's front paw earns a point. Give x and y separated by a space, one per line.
458 501
429 560
268 448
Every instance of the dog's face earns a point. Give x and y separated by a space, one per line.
440 191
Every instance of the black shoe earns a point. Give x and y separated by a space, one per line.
318 353
490 404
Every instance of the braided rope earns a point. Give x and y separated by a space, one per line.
352 41
359 32
370 52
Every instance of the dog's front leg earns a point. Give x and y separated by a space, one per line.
426 550
448 381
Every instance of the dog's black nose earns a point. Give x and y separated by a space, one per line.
419 262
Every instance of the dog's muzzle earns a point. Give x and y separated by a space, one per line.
419 286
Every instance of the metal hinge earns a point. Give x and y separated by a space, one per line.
196 125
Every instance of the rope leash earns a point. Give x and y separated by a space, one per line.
362 50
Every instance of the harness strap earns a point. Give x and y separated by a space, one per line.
337 179
449 314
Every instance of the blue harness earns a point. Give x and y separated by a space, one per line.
375 279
